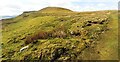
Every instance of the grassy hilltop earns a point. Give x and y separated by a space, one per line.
55 33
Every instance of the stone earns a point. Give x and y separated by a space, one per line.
23 48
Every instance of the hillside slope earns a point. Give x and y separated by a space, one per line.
61 36
55 10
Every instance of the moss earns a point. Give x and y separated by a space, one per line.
59 36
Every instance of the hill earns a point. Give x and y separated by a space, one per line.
6 17
61 34
55 10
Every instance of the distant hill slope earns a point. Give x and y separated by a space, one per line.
55 10
6 17
55 35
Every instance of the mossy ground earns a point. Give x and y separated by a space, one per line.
74 35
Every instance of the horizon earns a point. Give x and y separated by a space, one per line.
14 7
60 7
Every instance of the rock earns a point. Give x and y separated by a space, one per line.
23 48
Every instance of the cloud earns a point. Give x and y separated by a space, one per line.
16 7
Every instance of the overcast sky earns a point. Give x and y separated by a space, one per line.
16 7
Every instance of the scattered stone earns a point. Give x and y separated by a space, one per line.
23 48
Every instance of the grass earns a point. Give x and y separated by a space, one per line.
67 36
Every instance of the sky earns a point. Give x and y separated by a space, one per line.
16 7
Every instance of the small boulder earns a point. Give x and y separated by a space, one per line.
23 48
